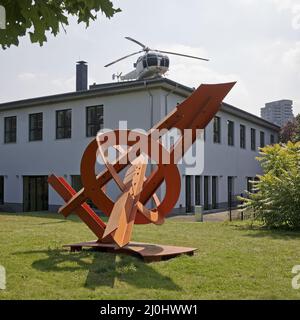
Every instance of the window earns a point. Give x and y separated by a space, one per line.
230 190
1 190
262 139
10 129
35 193
206 193
145 62
242 136
214 192
188 194
250 184
253 139
197 190
164 62
76 183
272 139
217 130
152 60
230 125
63 124
94 120
35 127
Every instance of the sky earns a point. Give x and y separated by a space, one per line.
253 42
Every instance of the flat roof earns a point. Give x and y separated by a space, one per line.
101 90
115 88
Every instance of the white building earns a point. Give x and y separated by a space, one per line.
47 135
278 112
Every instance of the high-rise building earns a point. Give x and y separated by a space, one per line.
278 112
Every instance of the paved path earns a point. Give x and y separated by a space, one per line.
211 217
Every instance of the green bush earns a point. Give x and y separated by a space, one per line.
275 200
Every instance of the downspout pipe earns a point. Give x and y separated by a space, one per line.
151 122
151 104
166 98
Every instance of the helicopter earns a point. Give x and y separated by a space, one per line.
153 64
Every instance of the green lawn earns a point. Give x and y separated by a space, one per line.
233 261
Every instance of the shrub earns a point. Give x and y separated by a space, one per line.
275 200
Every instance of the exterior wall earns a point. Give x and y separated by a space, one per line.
222 160
142 109
62 156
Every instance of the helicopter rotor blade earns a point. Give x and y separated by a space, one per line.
182 55
137 42
129 55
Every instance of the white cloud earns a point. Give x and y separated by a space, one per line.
27 76
250 41
63 84
292 56
279 4
194 72
296 19
293 6
285 4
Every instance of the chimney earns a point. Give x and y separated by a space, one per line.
81 76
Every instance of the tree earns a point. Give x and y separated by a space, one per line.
297 132
291 131
276 197
36 17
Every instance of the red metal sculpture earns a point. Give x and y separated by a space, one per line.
137 189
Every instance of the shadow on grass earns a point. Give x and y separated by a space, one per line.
258 231
54 222
103 269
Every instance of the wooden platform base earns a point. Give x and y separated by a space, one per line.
145 251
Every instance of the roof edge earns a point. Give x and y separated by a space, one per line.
129 86
248 116
100 90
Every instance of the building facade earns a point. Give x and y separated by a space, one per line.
48 135
278 112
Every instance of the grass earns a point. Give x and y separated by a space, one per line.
233 261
